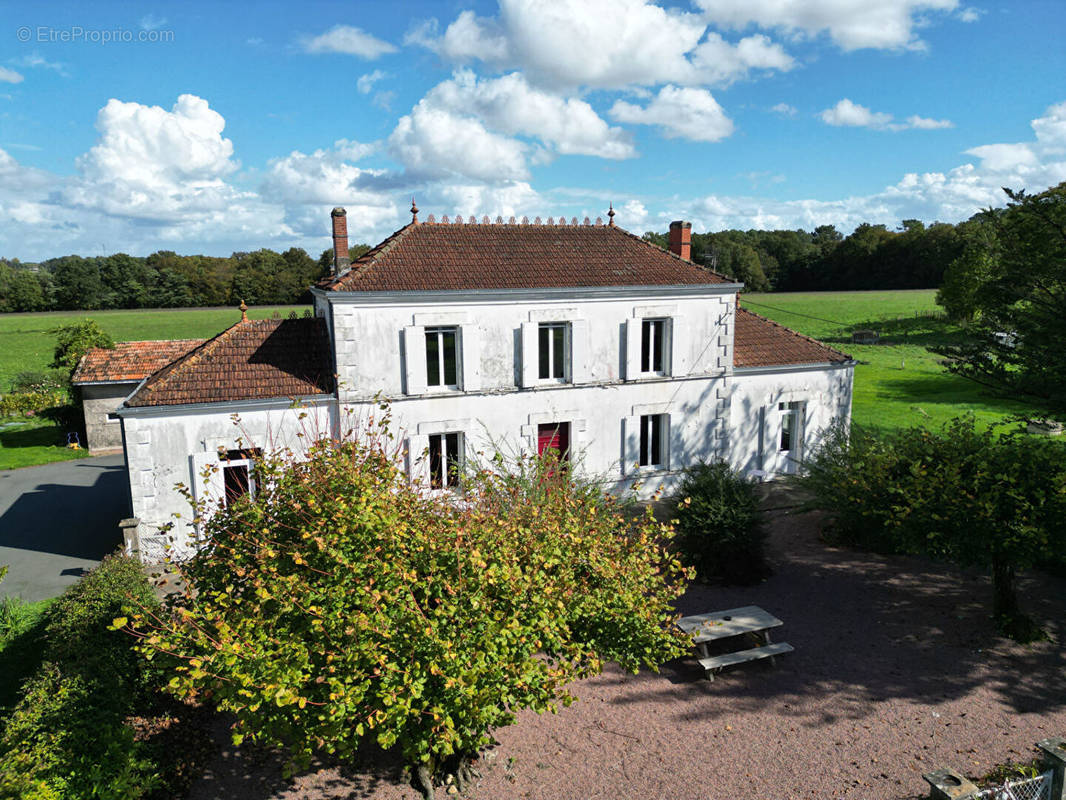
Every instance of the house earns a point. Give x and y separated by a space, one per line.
630 360
106 376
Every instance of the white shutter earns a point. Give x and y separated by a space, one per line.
633 334
470 341
206 491
530 361
418 459
579 351
630 445
414 356
680 347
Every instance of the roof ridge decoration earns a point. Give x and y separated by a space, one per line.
472 219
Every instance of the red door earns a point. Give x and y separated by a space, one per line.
554 436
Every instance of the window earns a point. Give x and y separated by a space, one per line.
445 460
653 346
790 425
238 478
554 436
442 360
653 440
552 350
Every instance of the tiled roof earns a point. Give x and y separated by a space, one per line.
760 342
254 359
130 361
448 256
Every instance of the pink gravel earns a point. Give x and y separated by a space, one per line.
897 671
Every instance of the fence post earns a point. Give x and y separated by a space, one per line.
949 784
1054 752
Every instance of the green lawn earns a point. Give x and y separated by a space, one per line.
898 382
26 344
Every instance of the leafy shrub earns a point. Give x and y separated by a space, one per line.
28 404
969 496
74 340
40 381
68 737
719 530
343 604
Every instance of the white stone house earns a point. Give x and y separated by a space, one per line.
630 360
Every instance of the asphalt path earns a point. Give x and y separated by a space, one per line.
57 521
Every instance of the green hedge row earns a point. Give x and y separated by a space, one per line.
26 404
68 737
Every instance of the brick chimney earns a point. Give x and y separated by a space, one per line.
680 242
341 262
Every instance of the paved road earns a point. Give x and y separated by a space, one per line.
58 520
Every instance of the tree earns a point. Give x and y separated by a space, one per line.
1020 336
340 604
969 271
970 496
74 340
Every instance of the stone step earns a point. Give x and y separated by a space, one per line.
741 656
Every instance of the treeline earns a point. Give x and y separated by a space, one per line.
871 257
161 280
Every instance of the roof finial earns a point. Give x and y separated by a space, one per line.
414 212
244 311
610 216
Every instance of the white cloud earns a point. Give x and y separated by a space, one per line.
512 199
435 142
969 14
365 83
157 164
851 24
785 110
10 76
679 112
848 114
610 44
924 123
35 60
511 106
348 40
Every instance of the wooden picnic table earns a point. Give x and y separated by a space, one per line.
733 622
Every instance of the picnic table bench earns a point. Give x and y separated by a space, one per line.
733 622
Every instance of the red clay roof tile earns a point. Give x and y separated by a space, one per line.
130 361
466 256
760 342
254 359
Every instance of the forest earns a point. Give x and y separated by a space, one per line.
872 257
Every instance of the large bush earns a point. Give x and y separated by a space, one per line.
74 340
719 530
974 497
342 605
68 736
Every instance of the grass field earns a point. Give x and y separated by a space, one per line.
898 383
26 344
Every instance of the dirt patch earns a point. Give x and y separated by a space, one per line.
897 670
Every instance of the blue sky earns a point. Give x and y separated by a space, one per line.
213 127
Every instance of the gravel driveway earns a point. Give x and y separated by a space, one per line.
897 671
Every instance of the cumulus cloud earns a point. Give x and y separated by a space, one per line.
348 40
785 110
948 196
848 114
851 24
511 106
609 44
679 112
10 76
436 142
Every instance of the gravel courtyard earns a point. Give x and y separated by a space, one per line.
897 670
